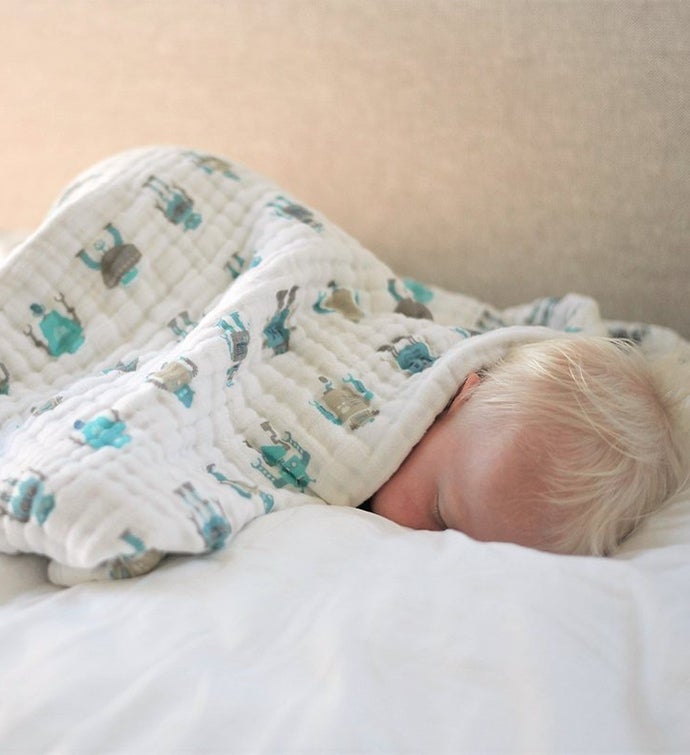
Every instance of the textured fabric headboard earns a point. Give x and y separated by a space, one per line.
509 149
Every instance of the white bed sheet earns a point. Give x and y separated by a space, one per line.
332 630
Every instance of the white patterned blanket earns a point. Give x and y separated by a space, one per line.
185 348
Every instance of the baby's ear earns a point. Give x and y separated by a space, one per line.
471 382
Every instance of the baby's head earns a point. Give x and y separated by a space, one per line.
601 421
564 445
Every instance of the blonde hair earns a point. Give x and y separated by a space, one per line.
605 424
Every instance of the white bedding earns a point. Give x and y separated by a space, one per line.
328 629
332 630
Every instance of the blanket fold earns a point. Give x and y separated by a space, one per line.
187 347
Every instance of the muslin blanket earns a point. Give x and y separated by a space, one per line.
186 347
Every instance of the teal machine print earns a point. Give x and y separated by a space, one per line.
182 324
287 460
139 561
236 335
175 377
103 431
288 209
346 404
63 333
277 332
115 260
413 357
4 380
211 164
244 489
207 515
175 203
407 305
339 299
26 497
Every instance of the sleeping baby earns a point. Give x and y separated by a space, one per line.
187 348
566 445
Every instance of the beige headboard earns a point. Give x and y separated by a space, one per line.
507 149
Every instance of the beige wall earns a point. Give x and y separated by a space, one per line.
509 149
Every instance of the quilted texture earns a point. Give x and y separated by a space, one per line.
186 348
